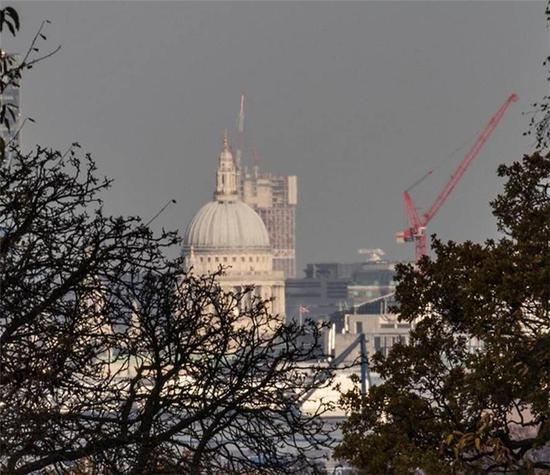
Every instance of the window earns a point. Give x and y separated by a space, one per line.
225 259
377 346
358 327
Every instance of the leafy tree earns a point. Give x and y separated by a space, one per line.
12 68
471 392
113 359
539 122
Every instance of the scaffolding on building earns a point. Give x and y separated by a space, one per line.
274 198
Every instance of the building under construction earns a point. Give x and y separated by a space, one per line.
274 198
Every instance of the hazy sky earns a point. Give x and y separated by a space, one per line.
358 99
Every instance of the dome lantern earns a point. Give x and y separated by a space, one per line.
226 176
226 223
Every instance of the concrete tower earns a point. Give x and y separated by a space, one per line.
274 198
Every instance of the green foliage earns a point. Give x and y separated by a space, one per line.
470 393
9 18
12 67
539 122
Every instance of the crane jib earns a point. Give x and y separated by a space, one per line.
417 230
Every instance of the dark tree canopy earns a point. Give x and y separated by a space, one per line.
471 393
539 122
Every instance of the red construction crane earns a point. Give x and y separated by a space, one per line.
418 223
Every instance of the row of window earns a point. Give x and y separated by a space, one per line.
233 259
395 325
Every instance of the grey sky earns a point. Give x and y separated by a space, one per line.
357 99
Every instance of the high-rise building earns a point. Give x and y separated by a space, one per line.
274 198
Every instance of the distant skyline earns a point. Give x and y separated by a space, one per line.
358 99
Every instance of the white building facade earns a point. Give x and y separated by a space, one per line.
227 232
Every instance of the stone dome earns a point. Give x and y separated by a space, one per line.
226 225
228 234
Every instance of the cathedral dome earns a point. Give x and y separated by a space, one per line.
227 234
226 225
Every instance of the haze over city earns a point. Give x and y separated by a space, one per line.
237 301
357 99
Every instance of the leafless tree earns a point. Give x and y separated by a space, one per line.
111 352
113 359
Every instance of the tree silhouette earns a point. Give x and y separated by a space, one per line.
539 122
113 359
470 394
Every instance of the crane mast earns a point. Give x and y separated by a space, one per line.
240 132
418 224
